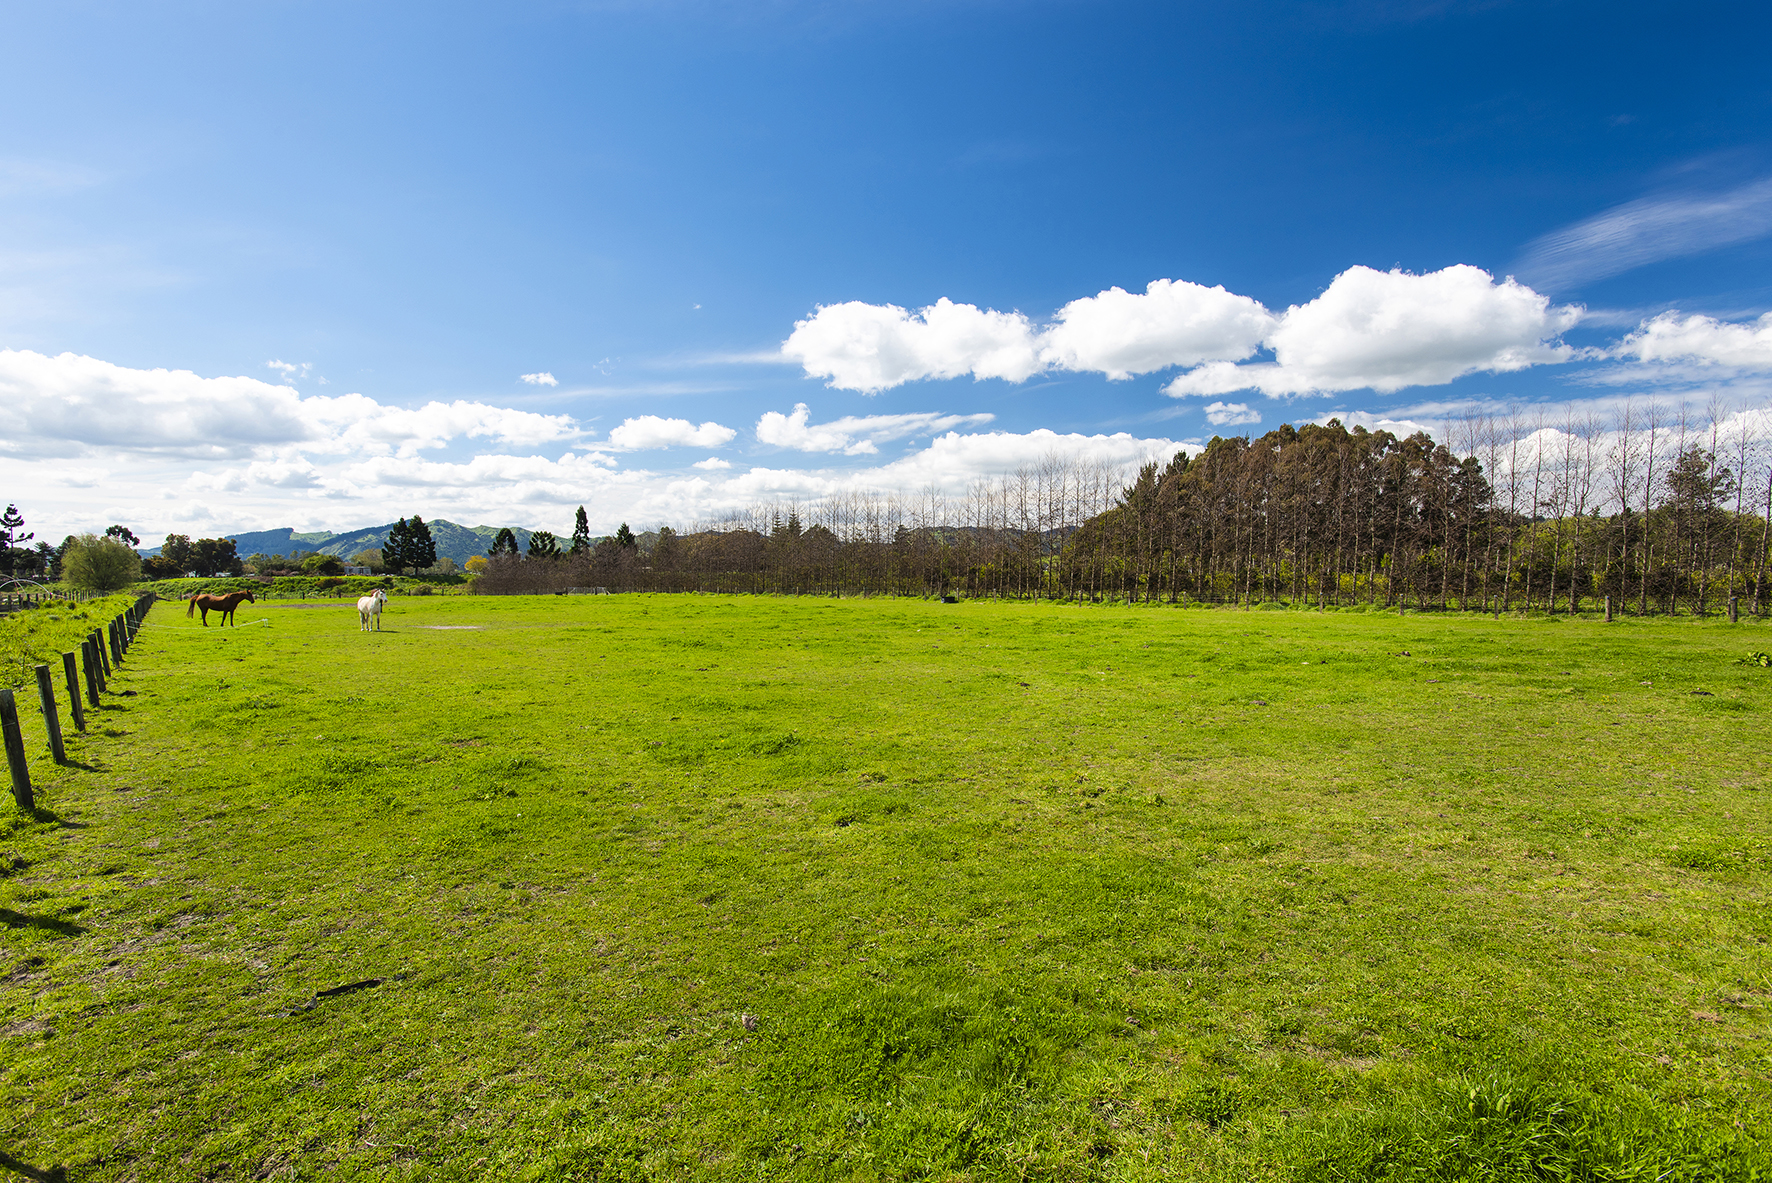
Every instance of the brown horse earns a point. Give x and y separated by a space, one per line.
223 604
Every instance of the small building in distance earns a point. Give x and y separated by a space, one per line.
350 569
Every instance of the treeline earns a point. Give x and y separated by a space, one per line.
1001 538
1324 516
1504 514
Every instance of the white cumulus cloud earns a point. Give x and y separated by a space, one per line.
873 347
1230 414
1380 329
650 431
712 464
542 379
1171 324
1701 340
1390 329
69 405
853 435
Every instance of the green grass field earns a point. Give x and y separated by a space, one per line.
740 888
40 636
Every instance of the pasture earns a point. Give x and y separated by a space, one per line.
708 887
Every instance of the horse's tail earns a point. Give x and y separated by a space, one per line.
191 608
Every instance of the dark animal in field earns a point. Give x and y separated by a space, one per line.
223 604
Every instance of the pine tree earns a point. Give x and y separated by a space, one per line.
503 543
421 549
396 551
543 545
581 533
11 539
625 539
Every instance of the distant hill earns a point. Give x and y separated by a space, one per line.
457 542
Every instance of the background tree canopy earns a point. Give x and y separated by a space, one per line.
94 563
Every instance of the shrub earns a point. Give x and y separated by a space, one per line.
91 563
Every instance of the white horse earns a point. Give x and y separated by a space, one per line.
369 609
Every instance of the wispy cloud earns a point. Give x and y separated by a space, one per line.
1645 231
854 435
44 177
761 357
290 370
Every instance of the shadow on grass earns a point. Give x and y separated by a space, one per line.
51 817
66 928
51 1175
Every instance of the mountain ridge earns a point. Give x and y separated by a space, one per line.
454 541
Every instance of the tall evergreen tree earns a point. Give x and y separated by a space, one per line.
422 550
543 545
666 552
625 539
581 533
11 539
503 543
395 548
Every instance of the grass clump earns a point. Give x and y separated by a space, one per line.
1502 1127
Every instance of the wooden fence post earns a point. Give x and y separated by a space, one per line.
1734 609
113 634
71 667
52 719
15 752
95 679
1608 609
104 659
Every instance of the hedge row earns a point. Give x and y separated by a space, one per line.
305 587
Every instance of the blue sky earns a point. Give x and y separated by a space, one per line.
412 206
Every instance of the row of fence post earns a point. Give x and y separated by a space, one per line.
98 657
